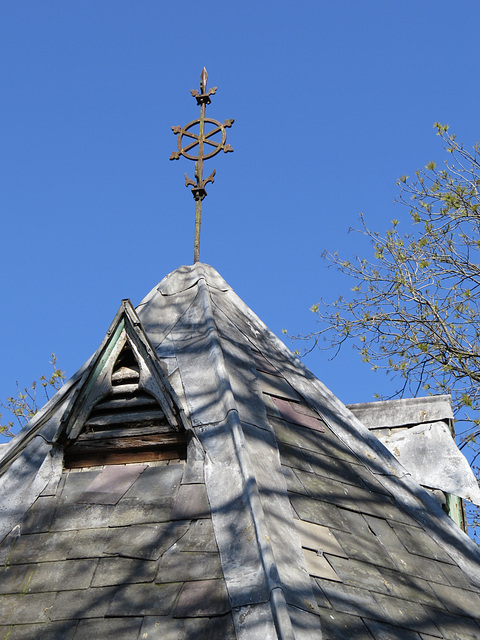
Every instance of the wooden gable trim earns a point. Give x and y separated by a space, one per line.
125 409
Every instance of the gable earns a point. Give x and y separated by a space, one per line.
125 410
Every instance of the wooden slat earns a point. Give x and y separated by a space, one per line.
76 461
125 432
123 389
134 400
133 442
125 417
125 373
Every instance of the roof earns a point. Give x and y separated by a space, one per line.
282 517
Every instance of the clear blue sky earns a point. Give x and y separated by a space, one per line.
332 102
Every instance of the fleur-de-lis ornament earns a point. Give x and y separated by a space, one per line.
200 140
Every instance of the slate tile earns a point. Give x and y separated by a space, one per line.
57 576
293 483
300 437
146 599
46 631
325 443
420 543
193 472
294 457
369 479
384 533
55 630
406 562
111 484
176 566
275 385
111 571
456 577
384 631
319 594
147 541
82 603
453 627
55 485
419 567
191 502
42 546
75 484
202 598
222 627
305 623
317 512
318 538
6 545
118 628
91 543
318 566
358 574
292 413
262 364
347 599
409 587
70 517
16 578
405 614
199 537
155 627
39 517
338 493
135 510
157 481
29 608
363 547
57 545
347 496
340 626
458 600
335 469
394 514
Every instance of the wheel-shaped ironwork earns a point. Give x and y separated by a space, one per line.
205 138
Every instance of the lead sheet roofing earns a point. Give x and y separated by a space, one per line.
289 519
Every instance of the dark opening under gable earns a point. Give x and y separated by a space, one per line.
126 410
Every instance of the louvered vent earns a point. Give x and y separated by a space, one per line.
127 425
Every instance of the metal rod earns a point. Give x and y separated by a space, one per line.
198 222
198 185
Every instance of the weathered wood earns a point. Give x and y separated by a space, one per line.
125 373
81 459
124 389
145 430
135 400
125 417
133 442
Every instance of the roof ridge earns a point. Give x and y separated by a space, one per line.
268 587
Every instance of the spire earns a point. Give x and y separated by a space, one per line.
210 137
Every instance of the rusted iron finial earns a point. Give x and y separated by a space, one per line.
210 139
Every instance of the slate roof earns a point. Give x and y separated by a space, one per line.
288 519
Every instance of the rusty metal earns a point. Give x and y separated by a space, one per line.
209 145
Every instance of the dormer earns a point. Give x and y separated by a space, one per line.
125 409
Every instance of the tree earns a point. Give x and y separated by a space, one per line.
26 404
414 309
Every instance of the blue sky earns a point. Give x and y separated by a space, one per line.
332 102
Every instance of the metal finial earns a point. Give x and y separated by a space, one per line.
213 140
